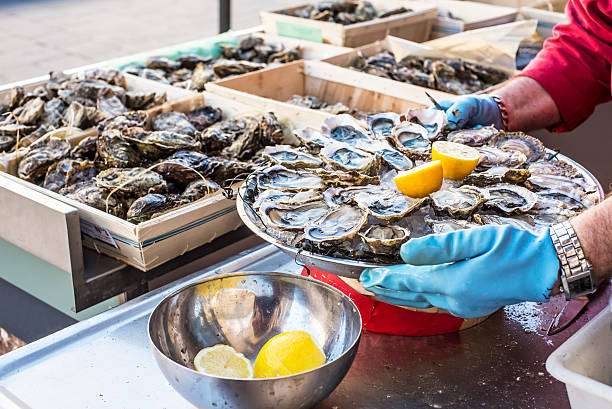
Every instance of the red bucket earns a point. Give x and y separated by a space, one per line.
385 318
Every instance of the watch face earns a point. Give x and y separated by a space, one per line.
581 284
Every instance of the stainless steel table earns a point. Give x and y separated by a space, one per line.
105 362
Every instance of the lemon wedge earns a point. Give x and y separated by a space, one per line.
421 180
288 353
223 360
458 160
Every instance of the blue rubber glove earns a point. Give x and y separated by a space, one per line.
469 111
470 273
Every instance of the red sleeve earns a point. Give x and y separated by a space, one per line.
574 66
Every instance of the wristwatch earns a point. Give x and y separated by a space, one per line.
577 276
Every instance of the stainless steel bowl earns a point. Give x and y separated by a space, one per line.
245 310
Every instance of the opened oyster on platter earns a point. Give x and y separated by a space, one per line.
78 101
141 165
334 194
193 71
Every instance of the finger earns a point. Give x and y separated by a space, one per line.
449 247
407 278
410 296
404 303
460 113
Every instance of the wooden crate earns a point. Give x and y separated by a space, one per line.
269 89
414 25
551 5
46 223
471 15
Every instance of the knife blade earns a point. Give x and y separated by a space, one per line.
433 100
567 315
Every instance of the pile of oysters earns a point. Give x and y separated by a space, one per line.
139 166
79 100
193 71
343 12
334 193
312 102
454 76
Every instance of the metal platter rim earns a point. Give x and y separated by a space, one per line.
352 268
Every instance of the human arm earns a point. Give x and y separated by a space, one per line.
473 272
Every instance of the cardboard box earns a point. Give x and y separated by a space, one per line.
414 25
270 88
143 246
469 15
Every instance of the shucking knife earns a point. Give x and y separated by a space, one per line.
433 100
567 315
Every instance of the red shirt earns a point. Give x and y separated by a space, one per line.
575 64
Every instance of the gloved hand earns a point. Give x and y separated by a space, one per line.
470 111
470 273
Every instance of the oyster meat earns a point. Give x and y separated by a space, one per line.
519 221
498 174
381 124
281 178
389 156
339 224
387 205
474 136
292 217
447 224
532 148
383 239
291 157
411 139
458 202
511 198
494 157
344 157
433 120
553 167
344 128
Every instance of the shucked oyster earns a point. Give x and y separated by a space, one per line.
553 167
384 239
291 157
312 139
381 124
345 178
433 120
337 196
519 221
491 156
341 223
495 175
289 217
411 139
532 148
344 157
388 155
458 202
387 205
344 128
281 178
447 224
510 198
474 136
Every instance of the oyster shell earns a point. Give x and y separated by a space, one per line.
199 188
34 164
68 172
115 150
225 68
493 157
272 195
31 111
337 196
180 167
291 157
384 239
342 156
344 128
204 117
340 223
553 167
292 217
344 178
519 221
411 139
173 121
96 197
131 181
498 174
575 187
312 139
433 120
474 136
458 202
381 124
511 198
389 156
301 198
149 206
532 148
447 224
281 178
387 205
86 149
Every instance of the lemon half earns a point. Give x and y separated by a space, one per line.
287 354
223 360
458 160
421 180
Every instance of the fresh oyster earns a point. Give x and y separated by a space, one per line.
532 148
519 221
226 68
575 187
86 149
281 178
115 150
31 111
166 142
6 142
110 107
291 157
149 206
222 134
183 167
562 201
68 172
131 181
33 166
96 197
301 198
345 178
270 195
312 139
387 205
494 157
341 223
498 174
173 121
411 139
344 157
447 224
381 124
344 128
433 120
199 189
204 117
139 100
389 156
291 217
511 198
263 130
458 202
474 136
553 167
384 239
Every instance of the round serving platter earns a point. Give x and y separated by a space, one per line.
353 268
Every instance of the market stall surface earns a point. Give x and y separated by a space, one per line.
106 361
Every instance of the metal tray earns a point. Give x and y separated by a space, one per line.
352 268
